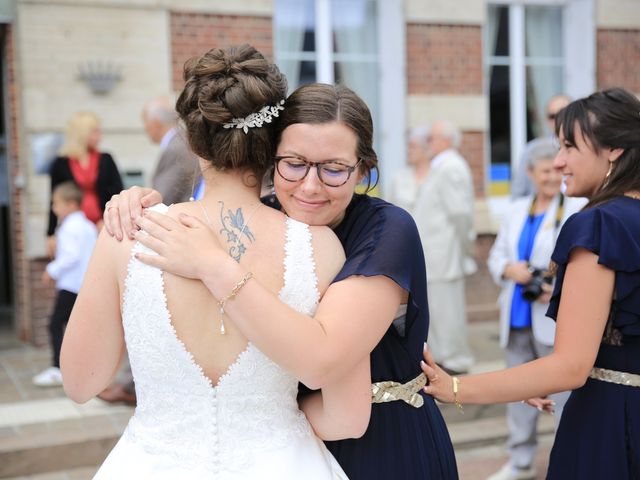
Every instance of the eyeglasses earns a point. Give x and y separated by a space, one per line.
332 174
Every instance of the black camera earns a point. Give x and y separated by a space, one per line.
532 290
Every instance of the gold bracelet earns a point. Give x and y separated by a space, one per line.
234 292
456 383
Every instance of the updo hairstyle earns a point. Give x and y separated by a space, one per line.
224 84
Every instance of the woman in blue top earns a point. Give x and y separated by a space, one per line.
518 262
596 301
376 307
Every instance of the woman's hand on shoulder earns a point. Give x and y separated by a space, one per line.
121 210
185 246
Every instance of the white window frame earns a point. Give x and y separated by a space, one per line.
324 42
579 59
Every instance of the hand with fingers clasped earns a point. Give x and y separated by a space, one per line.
121 210
184 247
439 383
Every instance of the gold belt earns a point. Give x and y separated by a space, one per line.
612 376
388 391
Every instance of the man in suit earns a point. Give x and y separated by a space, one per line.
443 211
177 170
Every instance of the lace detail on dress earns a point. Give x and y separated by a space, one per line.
299 264
180 414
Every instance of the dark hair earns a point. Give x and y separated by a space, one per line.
68 191
608 119
224 84
318 103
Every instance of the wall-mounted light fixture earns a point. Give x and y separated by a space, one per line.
101 76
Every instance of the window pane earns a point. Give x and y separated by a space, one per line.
544 60
543 82
355 45
294 42
499 115
498 31
354 26
543 25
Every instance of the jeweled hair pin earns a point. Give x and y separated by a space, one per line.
265 115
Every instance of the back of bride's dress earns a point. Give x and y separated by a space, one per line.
247 426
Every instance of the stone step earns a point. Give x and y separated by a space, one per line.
56 434
80 473
489 431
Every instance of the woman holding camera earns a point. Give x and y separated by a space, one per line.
518 263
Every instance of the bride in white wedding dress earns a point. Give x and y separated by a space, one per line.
210 404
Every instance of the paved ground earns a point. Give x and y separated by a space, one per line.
45 436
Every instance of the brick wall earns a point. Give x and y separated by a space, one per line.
42 300
17 210
34 301
618 56
472 149
193 34
445 59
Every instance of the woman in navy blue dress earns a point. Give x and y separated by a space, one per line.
376 308
596 301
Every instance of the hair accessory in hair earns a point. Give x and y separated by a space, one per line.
256 119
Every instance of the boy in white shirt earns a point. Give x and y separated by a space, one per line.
75 239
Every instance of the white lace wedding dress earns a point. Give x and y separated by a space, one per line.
248 426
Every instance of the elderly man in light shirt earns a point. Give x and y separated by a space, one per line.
437 189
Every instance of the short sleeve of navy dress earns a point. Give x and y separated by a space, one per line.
402 441
611 231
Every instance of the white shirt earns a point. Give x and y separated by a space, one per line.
441 157
75 238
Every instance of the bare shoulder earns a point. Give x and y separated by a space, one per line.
328 253
111 254
189 208
326 241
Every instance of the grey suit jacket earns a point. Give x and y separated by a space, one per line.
177 171
443 212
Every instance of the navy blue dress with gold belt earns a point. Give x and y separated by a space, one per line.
401 442
599 433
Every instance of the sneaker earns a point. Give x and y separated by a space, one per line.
507 472
51 377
